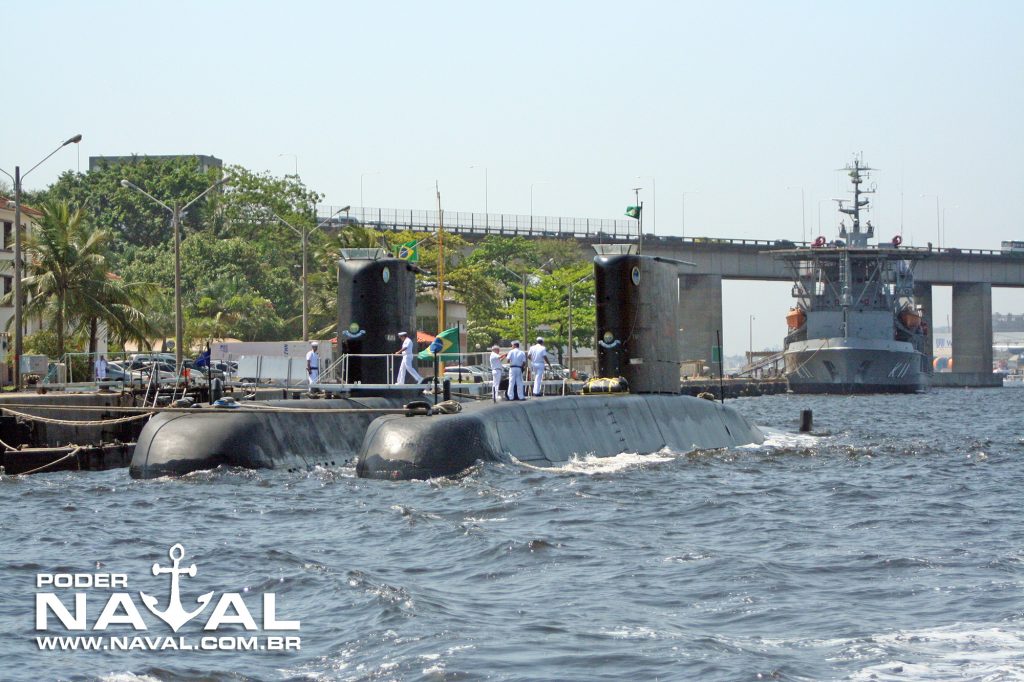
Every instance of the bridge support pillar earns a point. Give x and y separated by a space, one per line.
972 327
923 298
700 310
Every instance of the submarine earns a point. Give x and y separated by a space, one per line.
638 321
376 300
391 433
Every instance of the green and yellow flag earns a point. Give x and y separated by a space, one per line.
449 351
408 251
633 212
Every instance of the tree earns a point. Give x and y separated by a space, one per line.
68 279
130 217
549 308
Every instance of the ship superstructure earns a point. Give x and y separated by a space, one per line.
855 327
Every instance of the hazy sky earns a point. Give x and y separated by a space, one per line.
738 104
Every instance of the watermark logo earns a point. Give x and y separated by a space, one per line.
174 615
120 608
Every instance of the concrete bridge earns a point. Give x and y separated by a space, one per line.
970 272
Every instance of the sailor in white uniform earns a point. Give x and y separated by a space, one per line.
496 371
406 352
538 356
313 364
516 365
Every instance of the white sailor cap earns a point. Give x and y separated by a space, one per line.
515 343
540 339
402 334
495 347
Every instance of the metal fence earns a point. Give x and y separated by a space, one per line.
482 223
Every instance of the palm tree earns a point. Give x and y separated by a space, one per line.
68 277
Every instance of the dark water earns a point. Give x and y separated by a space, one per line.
887 547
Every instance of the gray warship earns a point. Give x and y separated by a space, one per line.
855 327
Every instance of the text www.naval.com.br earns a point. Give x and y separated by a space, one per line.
137 643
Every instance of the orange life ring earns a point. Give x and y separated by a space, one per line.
897 240
820 241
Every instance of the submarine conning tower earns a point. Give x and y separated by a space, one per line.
638 326
376 300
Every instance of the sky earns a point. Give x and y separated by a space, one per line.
735 115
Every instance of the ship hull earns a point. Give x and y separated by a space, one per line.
841 365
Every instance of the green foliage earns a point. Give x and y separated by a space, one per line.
68 278
131 217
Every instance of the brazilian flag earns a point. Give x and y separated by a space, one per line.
633 212
408 251
449 352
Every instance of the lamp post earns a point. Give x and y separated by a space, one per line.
639 222
683 205
944 209
304 236
361 176
18 177
571 285
803 212
938 220
296 157
750 355
522 277
176 214
486 208
654 201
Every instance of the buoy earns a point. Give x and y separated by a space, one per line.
806 421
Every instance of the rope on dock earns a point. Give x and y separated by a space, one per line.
73 453
248 408
75 422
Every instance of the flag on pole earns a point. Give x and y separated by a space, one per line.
408 251
633 212
449 351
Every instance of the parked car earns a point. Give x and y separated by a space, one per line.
458 375
556 371
485 372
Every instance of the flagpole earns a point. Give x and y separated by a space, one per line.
440 267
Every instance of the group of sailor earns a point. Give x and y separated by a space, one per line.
537 355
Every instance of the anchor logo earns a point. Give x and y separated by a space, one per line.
175 615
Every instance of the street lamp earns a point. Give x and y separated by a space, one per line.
176 214
304 235
750 355
296 157
938 220
18 177
522 277
361 176
654 201
944 209
571 285
803 213
486 208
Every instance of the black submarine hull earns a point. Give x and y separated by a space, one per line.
295 435
547 432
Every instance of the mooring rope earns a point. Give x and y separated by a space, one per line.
75 422
73 453
243 408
